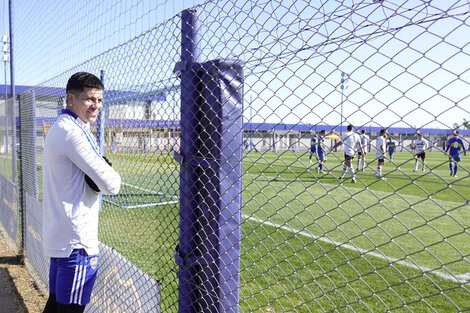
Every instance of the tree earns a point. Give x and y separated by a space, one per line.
465 124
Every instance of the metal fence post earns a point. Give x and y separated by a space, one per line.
101 121
188 177
100 129
12 92
210 159
6 110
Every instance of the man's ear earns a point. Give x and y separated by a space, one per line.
70 98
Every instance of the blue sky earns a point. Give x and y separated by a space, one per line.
407 61
52 36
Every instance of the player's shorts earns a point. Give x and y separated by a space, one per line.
421 155
313 150
380 156
71 279
321 156
348 157
359 153
455 157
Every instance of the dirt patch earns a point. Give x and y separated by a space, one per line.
24 290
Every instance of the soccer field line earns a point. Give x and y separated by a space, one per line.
461 278
403 196
376 192
149 190
387 173
144 205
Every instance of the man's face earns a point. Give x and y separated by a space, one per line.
87 104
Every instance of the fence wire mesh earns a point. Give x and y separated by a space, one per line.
320 231
6 163
9 213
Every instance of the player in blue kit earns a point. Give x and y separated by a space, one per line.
454 146
313 148
321 151
391 146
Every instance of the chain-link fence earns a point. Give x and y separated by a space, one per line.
243 188
9 213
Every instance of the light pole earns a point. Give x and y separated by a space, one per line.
6 59
344 85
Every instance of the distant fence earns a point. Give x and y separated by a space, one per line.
223 206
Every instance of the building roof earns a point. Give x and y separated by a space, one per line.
111 97
116 97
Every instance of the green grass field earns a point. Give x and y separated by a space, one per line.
312 243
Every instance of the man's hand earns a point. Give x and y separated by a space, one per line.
91 183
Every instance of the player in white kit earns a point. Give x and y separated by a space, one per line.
421 147
380 148
352 143
362 155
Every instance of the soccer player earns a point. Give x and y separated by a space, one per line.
313 148
362 155
455 145
421 146
321 151
380 150
74 174
391 146
352 143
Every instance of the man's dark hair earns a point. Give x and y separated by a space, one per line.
81 80
322 131
363 131
350 127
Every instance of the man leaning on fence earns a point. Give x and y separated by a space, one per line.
74 174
